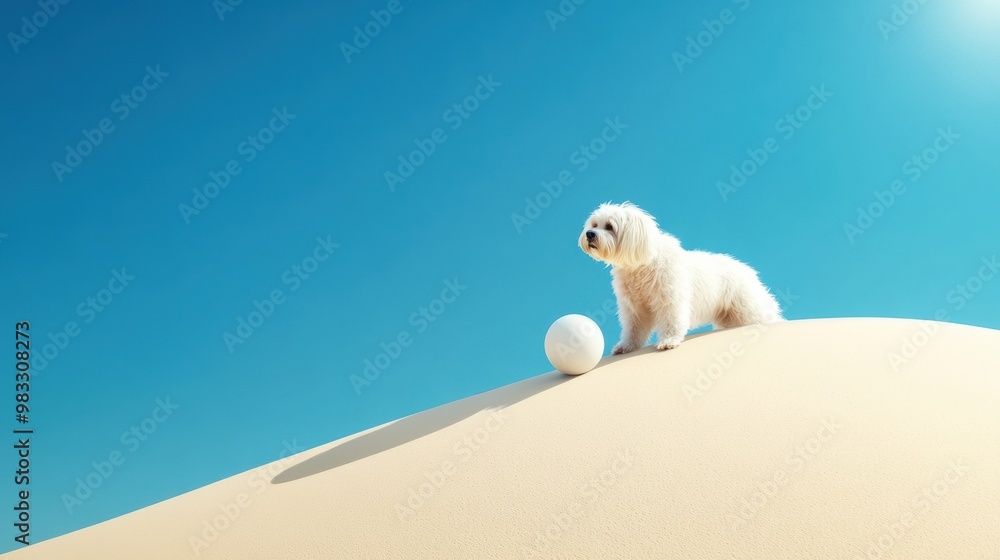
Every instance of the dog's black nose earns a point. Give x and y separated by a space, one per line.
591 235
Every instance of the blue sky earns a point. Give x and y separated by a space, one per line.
656 103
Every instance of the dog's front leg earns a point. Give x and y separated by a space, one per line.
674 331
636 328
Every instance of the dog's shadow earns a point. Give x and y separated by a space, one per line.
415 426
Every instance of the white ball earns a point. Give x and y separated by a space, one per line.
574 344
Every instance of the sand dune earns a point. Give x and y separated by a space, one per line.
807 439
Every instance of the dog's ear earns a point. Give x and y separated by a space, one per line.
636 236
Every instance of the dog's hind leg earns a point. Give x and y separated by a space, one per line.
727 318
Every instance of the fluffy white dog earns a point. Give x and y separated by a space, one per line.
661 286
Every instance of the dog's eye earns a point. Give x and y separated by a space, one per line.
609 227
593 225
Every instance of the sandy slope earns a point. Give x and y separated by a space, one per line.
800 441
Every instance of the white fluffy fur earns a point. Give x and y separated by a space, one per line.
664 288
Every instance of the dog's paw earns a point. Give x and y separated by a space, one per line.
669 343
622 348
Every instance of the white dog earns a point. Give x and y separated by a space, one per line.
661 286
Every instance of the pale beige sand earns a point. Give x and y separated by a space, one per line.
618 463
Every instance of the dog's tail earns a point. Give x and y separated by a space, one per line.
771 312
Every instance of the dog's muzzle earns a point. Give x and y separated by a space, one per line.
591 237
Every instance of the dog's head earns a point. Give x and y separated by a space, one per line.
620 235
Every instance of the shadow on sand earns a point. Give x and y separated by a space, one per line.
427 422
420 424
